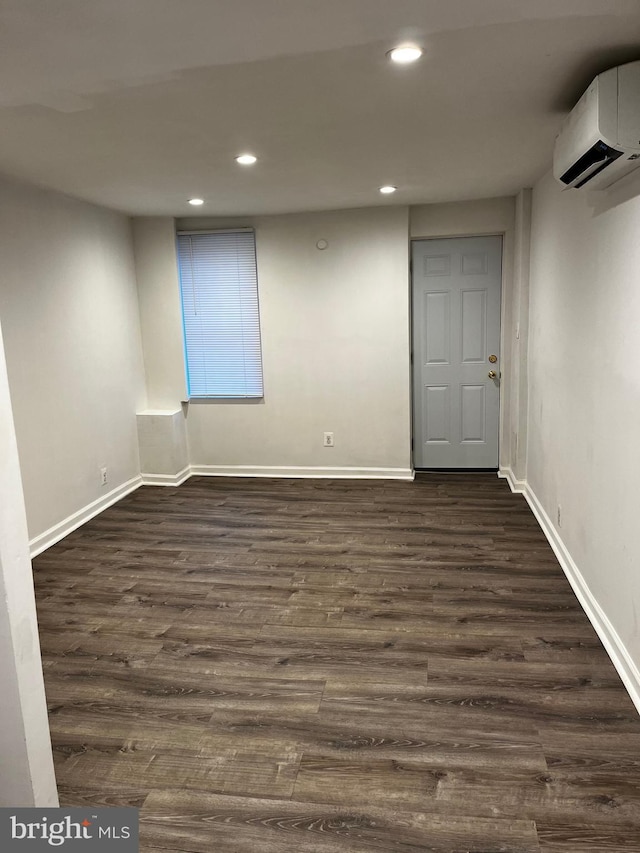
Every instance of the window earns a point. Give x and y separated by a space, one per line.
219 287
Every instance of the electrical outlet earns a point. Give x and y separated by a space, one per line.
103 477
559 515
328 439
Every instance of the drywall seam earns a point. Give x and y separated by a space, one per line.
54 534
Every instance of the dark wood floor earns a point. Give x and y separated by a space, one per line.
334 667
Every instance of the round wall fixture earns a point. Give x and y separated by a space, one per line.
322 244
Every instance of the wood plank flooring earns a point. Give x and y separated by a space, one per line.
270 666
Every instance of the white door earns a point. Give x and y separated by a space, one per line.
456 348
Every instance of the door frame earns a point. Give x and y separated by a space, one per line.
503 374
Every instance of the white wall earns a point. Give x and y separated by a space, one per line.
69 312
584 394
160 312
335 342
517 419
335 333
26 764
470 218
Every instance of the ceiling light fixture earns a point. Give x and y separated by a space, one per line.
196 202
386 190
246 159
405 54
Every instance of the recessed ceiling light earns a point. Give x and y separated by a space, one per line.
388 189
196 202
246 159
405 53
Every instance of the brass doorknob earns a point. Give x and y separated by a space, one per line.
492 374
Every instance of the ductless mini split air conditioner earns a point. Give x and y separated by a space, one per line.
599 141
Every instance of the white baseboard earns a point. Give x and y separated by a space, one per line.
517 486
167 479
54 534
615 648
295 471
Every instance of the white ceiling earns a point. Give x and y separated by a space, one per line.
141 104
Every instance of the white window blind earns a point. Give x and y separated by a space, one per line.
219 286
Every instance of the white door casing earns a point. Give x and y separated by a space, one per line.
456 286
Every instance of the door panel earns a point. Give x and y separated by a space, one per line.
436 414
456 327
437 322
474 326
473 413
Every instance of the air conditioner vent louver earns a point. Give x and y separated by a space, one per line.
597 158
